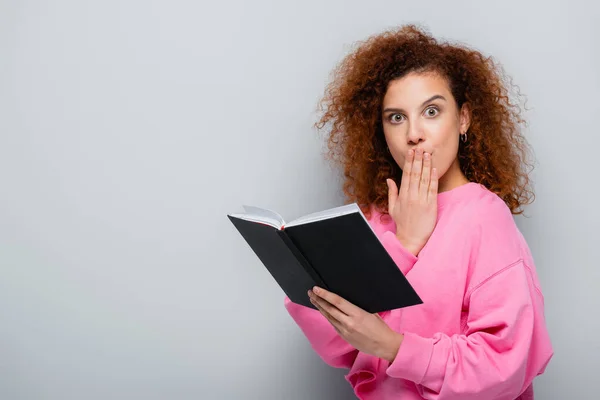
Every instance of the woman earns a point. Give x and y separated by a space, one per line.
431 149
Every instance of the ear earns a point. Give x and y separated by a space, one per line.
465 117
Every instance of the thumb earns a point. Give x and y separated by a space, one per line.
392 194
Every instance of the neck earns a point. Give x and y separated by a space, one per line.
453 178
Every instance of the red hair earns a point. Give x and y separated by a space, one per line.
495 153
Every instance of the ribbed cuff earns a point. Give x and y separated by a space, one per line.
413 358
403 258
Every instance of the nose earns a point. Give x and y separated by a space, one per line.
415 134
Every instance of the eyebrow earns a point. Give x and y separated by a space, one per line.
432 98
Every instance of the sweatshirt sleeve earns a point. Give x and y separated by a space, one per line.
323 338
403 258
493 359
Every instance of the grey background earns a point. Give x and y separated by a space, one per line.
128 129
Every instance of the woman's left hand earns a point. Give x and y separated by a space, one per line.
366 332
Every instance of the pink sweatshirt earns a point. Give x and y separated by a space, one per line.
480 332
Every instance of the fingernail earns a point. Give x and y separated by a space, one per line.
316 290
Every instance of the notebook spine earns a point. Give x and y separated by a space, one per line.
302 260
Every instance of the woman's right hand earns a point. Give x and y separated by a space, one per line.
414 207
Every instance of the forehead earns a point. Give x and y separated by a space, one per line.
415 88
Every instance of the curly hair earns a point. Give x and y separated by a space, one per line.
495 154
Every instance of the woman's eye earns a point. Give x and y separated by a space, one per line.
396 117
431 112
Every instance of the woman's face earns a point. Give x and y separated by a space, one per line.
419 112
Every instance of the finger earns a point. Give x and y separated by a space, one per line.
336 324
343 305
415 174
433 186
392 194
406 171
425 176
331 310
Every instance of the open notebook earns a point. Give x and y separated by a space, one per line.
336 249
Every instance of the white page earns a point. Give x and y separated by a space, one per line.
326 214
263 215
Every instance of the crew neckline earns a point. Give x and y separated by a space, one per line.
456 194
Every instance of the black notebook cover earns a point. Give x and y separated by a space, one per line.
281 262
341 254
